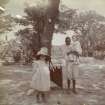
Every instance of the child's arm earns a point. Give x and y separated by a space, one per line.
35 66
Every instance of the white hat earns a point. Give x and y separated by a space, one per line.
43 51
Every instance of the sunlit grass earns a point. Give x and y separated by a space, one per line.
3 91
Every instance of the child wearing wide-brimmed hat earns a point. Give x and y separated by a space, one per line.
41 75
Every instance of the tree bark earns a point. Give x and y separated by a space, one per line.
49 22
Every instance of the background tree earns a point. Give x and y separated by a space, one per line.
5 19
42 19
87 23
66 18
6 24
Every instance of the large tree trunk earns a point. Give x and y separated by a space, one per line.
49 22
44 18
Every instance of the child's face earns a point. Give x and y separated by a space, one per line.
67 41
42 57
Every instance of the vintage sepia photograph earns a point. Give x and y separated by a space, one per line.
52 52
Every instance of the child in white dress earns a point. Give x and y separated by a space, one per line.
41 75
76 46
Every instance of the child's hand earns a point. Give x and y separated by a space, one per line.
68 53
76 63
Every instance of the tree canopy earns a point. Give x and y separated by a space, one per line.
88 25
5 19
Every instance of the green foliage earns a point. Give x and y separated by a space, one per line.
5 23
42 21
5 19
92 27
88 25
65 21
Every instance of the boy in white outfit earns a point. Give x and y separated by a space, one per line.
71 55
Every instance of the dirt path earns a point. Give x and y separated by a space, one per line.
14 83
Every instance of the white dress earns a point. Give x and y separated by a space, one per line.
41 76
76 46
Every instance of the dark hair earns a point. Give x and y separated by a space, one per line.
67 38
48 58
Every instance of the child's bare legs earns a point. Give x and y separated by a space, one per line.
41 96
68 83
74 86
38 97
